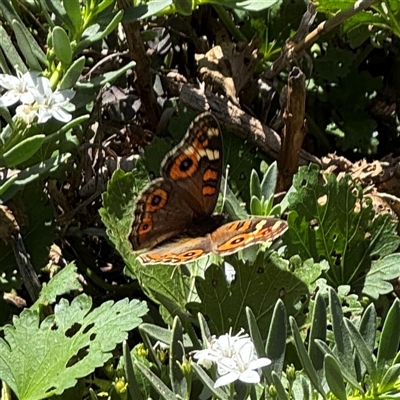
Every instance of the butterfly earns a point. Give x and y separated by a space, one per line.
182 201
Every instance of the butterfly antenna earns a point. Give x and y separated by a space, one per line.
225 185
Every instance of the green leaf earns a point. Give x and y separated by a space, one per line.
304 358
255 186
256 207
73 73
65 347
100 35
343 343
156 382
25 45
133 386
62 45
275 346
362 349
377 281
32 173
145 10
63 282
208 383
73 9
105 78
281 392
317 331
256 286
23 151
250 5
390 338
334 378
326 224
268 183
176 357
10 15
10 52
389 380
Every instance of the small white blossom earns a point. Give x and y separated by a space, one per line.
51 104
19 88
26 112
235 357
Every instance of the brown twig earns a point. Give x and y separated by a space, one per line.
238 122
294 130
144 81
295 47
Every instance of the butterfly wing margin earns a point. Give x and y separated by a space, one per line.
179 252
237 235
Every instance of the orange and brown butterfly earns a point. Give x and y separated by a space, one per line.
182 201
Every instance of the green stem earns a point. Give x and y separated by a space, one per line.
227 21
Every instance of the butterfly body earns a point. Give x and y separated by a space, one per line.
185 197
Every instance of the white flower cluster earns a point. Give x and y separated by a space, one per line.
235 356
36 96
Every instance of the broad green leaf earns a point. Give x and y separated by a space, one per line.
377 281
334 378
63 282
66 346
62 46
256 286
326 224
256 207
116 214
23 151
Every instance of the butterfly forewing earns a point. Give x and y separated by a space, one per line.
195 165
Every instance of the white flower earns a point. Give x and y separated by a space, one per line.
52 104
242 365
19 88
27 112
235 357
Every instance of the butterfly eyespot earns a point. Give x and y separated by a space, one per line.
186 164
156 200
145 226
237 240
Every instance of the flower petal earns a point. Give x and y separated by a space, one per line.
226 379
249 377
260 362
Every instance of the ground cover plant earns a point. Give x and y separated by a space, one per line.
290 111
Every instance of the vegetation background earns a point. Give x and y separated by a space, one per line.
313 86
